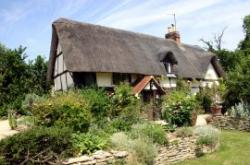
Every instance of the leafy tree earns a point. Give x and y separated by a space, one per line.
245 44
17 77
38 72
237 82
237 66
13 71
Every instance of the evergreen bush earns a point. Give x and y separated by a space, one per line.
36 146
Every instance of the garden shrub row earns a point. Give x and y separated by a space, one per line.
37 146
71 123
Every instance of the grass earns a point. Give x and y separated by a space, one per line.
234 150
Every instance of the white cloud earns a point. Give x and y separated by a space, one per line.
152 11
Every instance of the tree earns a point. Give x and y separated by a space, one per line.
228 59
245 44
238 79
236 64
17 78
12 74
38 71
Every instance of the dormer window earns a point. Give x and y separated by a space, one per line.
168 61
168 67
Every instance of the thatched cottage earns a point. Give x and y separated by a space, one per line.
84 54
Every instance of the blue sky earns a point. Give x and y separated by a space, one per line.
28 22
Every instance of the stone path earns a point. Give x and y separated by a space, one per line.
5 129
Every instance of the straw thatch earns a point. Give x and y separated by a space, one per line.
94 48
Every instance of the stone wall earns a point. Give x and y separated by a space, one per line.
98 158
231 123
180 149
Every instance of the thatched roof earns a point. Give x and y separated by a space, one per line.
94 48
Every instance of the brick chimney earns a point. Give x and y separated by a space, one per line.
173 34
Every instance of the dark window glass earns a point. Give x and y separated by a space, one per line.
121 77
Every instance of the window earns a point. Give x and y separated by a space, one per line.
168 66
169 61
121 77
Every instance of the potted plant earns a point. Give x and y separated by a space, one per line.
217 99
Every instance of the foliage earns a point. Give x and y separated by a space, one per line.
122 124
86 143
184 132
182 85
28 121
178 107
124 103
152 131
37 80
18 78
237 82
142 149
98 101
67 109
207 135
12 119
204 97
36 146
236 64
239 110
119 141
29 101
12 74
245 44
125 107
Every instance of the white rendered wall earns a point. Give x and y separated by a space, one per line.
166 83
104 79
62 78
211 77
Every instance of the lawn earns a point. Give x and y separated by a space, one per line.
234 150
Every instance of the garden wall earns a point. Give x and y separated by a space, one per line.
231 123
98 158
180 149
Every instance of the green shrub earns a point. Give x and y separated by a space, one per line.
240 110
152 131
12 119
98 100
3 111
184 132
204 97
124 104
28 121
86 143
178 108
29 101
120 141
122 124
207 135
36 145
67 109
142 150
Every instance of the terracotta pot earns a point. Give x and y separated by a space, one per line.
216 110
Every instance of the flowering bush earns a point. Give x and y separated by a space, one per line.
178 107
